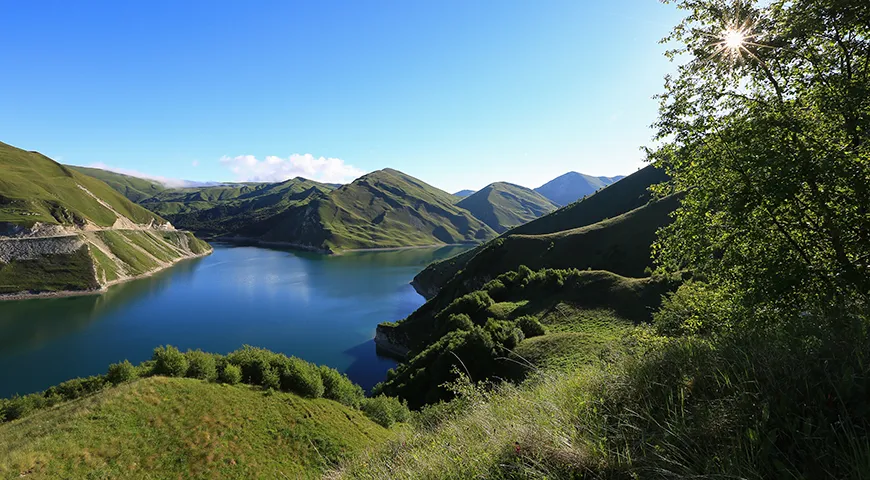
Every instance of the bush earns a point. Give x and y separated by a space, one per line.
696 308
257 364
231 374
339 388
504 333
385 411
77 387
169 361
201 365
470 303
121 372
531 327
459 321
271 378
301 378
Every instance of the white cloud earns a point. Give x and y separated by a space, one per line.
247 168
169 182
195 163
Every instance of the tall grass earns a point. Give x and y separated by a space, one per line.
776 405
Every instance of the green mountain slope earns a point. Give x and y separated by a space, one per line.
64 231
134 188
383 209
34 188
573 186
235 208
520 320
178 427
504 205
628 194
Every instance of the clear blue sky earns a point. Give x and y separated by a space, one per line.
457 93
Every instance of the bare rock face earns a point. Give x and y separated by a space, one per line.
30 248
388 340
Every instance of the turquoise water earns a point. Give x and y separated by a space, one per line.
320 308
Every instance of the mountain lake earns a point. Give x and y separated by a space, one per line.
322 308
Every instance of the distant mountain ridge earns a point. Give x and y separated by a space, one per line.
573 186
504 205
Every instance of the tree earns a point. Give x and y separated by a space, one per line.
764 132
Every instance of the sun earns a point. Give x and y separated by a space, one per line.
733 39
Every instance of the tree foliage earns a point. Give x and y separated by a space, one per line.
768 144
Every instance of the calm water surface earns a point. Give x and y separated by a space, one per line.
320 308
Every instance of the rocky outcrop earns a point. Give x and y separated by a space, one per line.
389 340
88 261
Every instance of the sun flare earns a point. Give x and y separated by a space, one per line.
733 39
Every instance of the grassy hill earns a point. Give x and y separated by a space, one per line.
573 186
163 427
34 188
549 318
504 205
69 232
624 196
134 188
383 209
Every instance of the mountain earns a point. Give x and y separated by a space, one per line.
64 231
622 197
463 193
505 205
384 209
573 186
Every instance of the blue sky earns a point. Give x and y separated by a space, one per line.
457 93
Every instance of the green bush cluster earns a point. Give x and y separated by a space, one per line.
253 366
20 406
121 372
386 411
201 365
169 361
530 326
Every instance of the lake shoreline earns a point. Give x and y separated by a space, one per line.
9 297
308 248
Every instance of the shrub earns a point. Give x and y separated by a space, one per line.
301 378
530 326
696 308
77 387
169 361
504 333
231 374
271 378
385 411
339 388
459 321
256 364
470 303
201 365
121 372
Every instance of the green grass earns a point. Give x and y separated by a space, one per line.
505 205
147 242
49 273
758 407
106 265
583 313
171 427
34 188
136 261
134 188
